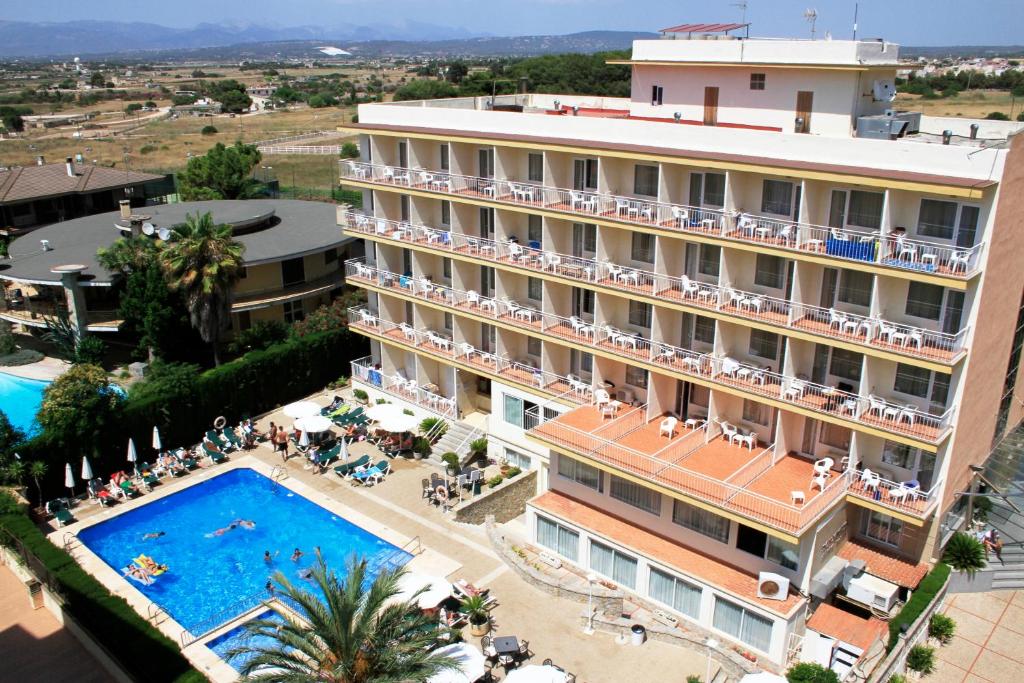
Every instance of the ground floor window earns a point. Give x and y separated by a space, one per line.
743 625
613 564
700 520
562 540
517 459
635 495
580 472
680 595
293 311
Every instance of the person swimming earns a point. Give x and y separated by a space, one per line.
246 523
296 555
152 534
270 587
222 531
266 557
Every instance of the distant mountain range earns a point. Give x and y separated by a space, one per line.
96 39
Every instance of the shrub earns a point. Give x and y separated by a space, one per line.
381 401
349 150
147 149
495 480
452 460
997 116
919 601
941 628
512 471
21 357
429 423
897 678
422 446
964 554
90 350
921 659
406 411
209 130
261 335
693 678
809 672
478 447
7 343
360 394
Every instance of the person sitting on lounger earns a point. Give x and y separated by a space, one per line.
137 573
150 565
170 463
335 404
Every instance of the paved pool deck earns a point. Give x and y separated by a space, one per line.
989 641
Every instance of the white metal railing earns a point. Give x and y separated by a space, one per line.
871 410
868 331
402 388
896 495
847 244
569 388
667 467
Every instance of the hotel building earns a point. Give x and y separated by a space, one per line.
749 324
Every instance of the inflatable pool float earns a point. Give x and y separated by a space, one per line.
150 565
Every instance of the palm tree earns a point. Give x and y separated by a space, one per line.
203 261
37 470
348 630
964 554
128 254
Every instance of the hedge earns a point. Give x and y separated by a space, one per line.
924 595
144 652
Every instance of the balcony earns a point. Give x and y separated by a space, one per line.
890 250
276 295
699 464
871 490
407 390
36 313
758 382
566 389
870 332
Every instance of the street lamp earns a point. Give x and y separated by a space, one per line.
712 645
591 578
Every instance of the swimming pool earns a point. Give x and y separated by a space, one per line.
212 579
20 399
239 637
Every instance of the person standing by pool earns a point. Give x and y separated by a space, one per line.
281 439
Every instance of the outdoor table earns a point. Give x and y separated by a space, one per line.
505 645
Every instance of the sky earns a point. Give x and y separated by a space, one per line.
908 22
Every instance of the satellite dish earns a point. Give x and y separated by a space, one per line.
148 229
164 234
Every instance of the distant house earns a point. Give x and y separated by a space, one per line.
201 107
260 90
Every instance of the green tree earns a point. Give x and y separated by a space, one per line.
150 104
133 107
349 150
425 90
350 635
997 116
11 117
79 406
964 554
202 260
128 254
221 173
97 79
230 93
262 334
37 470
320 100
10 438
809 672
456 71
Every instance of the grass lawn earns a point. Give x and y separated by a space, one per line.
974 104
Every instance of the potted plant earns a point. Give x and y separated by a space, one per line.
421 448
452 460
964 554
361 396
475 609
478 448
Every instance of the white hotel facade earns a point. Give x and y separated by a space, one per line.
827 302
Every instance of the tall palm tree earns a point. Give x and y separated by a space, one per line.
348 630
203 261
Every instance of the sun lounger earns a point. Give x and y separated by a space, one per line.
186 459
236 441
345 469
148 478
214 455
463 589
216 440
59 509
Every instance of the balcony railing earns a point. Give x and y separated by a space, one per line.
844 244
567 388
667 467
871 411
905 498
36 313
400 387
867 331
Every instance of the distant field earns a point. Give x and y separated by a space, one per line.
970 104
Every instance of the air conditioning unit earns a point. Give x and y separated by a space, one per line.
772 586
873 592
884 90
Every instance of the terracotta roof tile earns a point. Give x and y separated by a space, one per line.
686 561
32 182
885 565
847 627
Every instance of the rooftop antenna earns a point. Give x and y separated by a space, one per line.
742 4
856 8
811 15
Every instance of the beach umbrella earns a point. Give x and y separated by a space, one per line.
86 469
69 478
157 446
314 424
471 664
536 674
133 457
304 439
301 409
435 589
392 418
344 451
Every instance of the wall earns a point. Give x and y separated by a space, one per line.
259 278
505 502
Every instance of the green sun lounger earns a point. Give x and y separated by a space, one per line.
344 469
234 438
216 439
327 457
61 513
215 456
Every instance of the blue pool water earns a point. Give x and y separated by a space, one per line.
20 399
238 637
212 579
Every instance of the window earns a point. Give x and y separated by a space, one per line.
445 161
293 311
446 212
293 271
515 411
584 239
487 223
846 364
534 288
757 81
517 459
533 345
579 472
777 197
483 386
707 263
865 209
645 180
642 248
911 380
924 300
757 413
614 564
535 229
751 540
743 625
446 268
639 314
562 540
770 271
657 95
782 553
704 329
330 256
937 219
703 522
1010 379
764 344
243 272
680 595
449 321
898 454
855 287
707 189
535 167
636 377
633 494
881 527
405 204
485 162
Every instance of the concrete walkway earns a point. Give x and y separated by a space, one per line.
35 646
47 369
987 644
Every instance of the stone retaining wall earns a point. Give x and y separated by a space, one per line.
505 501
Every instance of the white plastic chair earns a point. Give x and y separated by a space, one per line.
601 397
473 298
668 427
680 216
690 288
728 431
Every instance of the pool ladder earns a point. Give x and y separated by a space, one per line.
278 473
413 546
